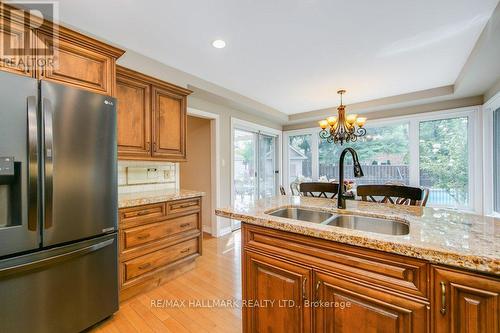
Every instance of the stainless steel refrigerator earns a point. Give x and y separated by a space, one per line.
58 206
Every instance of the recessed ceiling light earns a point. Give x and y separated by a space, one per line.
219 44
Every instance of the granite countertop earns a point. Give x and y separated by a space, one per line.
149 197
440 236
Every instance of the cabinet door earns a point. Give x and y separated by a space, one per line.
464 302
169 125
16 51
344 305
276 291
76 64
134 118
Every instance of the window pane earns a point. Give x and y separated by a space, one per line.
267 166
444 161
299 157
245 165
383 153
496 160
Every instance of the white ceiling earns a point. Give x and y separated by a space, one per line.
293 55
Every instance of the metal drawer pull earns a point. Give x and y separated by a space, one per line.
144 266
443 298
144 212
185 225
304 296
143 236
318 284
185 250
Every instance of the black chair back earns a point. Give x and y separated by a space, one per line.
395 194
282 190
319 189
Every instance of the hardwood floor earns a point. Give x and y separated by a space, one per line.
216 278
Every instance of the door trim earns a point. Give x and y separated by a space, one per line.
237 123
216 227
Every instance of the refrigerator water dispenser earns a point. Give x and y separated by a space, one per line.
10 192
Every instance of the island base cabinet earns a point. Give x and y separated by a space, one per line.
275 292
464 302
342 306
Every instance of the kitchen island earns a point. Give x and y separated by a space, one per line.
442 274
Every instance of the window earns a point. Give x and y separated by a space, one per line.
299 157
383 154
496 161
444 161
434 150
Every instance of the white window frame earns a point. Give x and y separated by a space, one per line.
474 144
244 125
488 108
314 156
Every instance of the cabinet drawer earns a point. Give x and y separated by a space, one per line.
154 231
181 206
141 214
77 64
394 272
160 258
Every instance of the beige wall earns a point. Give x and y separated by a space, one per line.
404 111
196 173
492 91
225 114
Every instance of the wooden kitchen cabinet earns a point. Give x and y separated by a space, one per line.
276 291
151 118
169 114
79 61
55 53
341 303
20 53
465 302
353 289
156 244
134 116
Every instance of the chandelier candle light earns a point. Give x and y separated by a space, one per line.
344 128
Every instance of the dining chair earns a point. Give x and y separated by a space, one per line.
395 194
282 190
319 189
294 188
425 197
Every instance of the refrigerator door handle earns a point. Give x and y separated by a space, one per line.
32 163
30 265
48 137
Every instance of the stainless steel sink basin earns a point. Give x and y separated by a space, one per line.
363 223
379 226
303 214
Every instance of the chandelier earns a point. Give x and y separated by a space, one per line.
344 128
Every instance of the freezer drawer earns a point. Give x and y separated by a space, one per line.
65 289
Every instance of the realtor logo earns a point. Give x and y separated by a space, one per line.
28 37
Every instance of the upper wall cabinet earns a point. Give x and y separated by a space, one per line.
17 52
79 61
37 48
169 114
151 118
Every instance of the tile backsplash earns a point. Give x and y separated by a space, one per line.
135 176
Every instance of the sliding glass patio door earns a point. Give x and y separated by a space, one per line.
255 167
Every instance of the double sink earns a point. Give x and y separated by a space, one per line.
363 223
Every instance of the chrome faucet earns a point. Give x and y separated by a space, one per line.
358 172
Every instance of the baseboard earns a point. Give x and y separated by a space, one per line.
207 229
224 231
